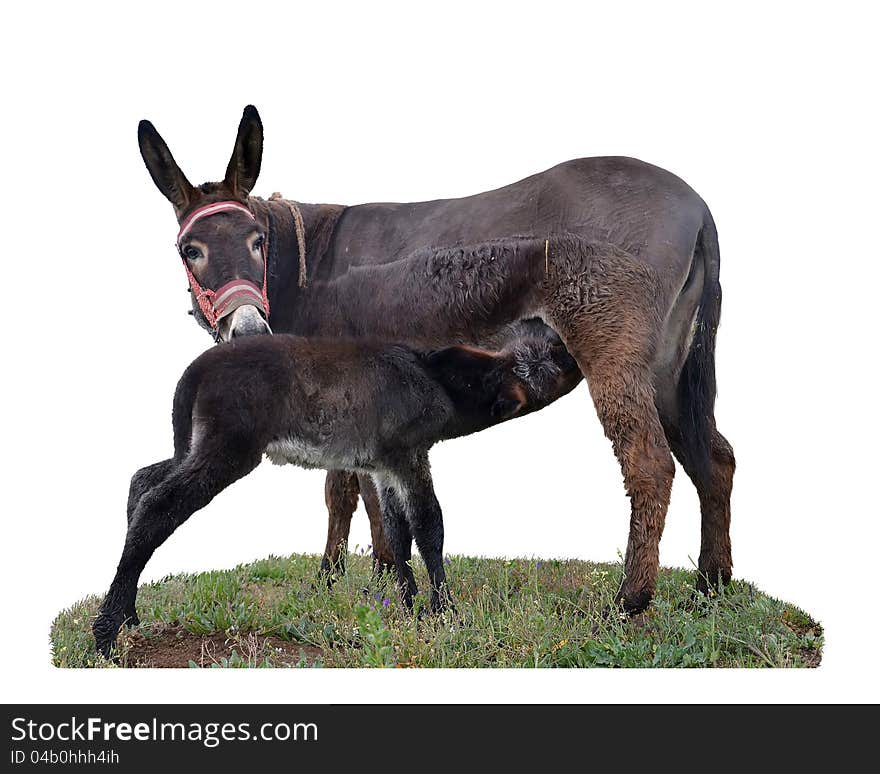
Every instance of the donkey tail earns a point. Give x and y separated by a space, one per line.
696 385
182 410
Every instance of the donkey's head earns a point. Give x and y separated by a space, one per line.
526 375
223 247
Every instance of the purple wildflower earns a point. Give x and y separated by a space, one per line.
386 602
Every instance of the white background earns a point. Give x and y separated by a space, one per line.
766 111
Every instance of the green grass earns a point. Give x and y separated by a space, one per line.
509 613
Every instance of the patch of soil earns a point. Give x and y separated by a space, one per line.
175 647
802 625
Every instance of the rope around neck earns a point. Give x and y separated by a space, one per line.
300 229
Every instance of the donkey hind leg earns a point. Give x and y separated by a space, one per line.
341 496
426 523
383 556
624 402
397 532
713 481
191 486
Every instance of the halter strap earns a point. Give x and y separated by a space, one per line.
210 209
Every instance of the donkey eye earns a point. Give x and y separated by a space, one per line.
191 252
258 243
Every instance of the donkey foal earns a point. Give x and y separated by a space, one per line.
374 409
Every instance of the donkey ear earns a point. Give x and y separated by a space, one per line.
244 166
162 167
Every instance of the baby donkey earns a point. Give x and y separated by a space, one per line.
365 407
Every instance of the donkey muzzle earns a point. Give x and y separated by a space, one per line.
239 310
234 294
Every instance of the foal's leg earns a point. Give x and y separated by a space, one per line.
141 483
191 486
398 533
341 495
426 522
144 480
383 556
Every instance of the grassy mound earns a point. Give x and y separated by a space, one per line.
509 613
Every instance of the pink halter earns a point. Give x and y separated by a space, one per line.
216 304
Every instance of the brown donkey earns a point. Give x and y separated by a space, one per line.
633 292
644 344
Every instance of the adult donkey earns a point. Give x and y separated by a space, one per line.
641 323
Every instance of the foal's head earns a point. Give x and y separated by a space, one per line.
222 245
526 375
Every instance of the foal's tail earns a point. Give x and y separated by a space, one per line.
696 385
181 414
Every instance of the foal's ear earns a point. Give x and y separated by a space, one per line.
459 360
163 168
244 166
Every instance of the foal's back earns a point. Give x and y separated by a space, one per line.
314 403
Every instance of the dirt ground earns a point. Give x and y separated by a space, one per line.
175 648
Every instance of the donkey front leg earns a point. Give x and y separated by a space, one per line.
189 487
341 496
341 490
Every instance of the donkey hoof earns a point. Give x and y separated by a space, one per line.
633 603
328 574
711 580
381 568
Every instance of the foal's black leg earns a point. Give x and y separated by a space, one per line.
161 510
383 556
144 480
426 522
141 483
399 537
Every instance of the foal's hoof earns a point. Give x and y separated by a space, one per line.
105 630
